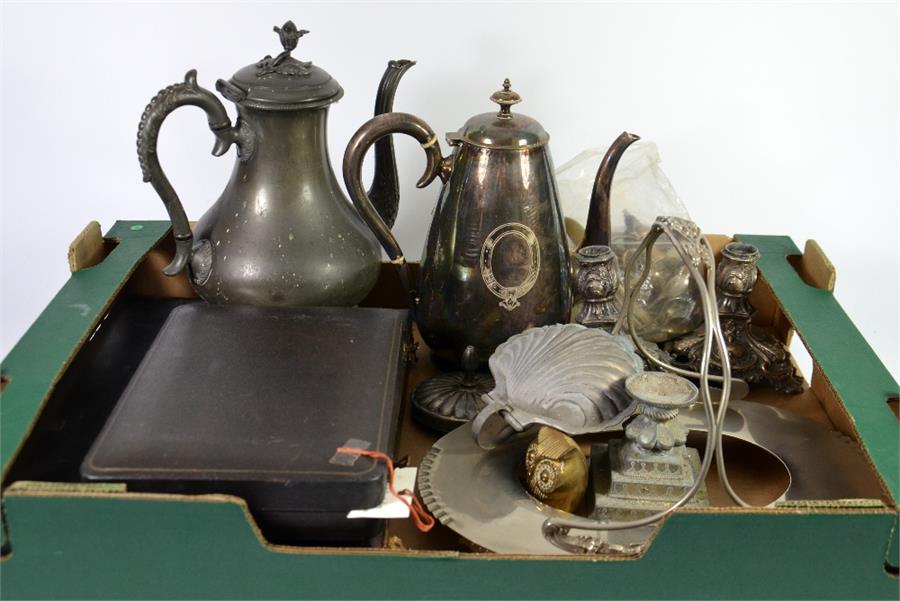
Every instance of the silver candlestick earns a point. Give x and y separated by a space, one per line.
756 356
596 282
652 468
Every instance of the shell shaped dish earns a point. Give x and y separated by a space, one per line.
566 376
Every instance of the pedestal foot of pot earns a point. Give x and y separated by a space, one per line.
449 400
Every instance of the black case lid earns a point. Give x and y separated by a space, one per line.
254 401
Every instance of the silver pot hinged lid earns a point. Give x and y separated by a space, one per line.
282 82
503 130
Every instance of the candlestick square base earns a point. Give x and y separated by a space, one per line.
629 485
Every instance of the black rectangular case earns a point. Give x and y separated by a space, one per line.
253 402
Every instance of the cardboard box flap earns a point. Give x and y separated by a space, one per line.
847 361
37 361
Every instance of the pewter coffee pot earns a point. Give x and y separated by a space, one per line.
282 233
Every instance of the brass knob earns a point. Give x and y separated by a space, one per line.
556 472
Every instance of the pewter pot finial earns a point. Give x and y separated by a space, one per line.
289 35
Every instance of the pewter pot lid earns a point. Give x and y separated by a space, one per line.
282 82
503 130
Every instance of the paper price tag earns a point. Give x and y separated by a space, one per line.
391 507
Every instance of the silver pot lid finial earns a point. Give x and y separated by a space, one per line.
505 98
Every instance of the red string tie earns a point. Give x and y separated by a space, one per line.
420 516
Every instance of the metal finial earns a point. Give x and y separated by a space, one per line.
469 364
469 359
505 98
289 35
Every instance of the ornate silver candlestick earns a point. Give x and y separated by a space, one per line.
756 357
652 468
596 282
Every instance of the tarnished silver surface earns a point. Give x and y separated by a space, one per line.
696 255
596 283
566 376
629 486
755 355
659 395
448 400
652 468
477 493
495 261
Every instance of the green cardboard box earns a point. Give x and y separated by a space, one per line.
67 539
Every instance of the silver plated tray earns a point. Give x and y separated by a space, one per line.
476 492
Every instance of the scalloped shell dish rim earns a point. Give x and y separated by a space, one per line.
525 363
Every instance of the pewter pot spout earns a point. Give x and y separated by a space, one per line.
385 190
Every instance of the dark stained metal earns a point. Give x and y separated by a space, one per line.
385 190
447 401
755 355
596 284
597 229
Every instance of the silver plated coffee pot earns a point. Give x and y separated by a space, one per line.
495 261
282 233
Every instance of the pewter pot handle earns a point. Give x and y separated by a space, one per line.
166 101
370 132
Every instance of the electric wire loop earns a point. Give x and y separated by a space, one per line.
556 530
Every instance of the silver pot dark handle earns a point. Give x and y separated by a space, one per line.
166 101
370 132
